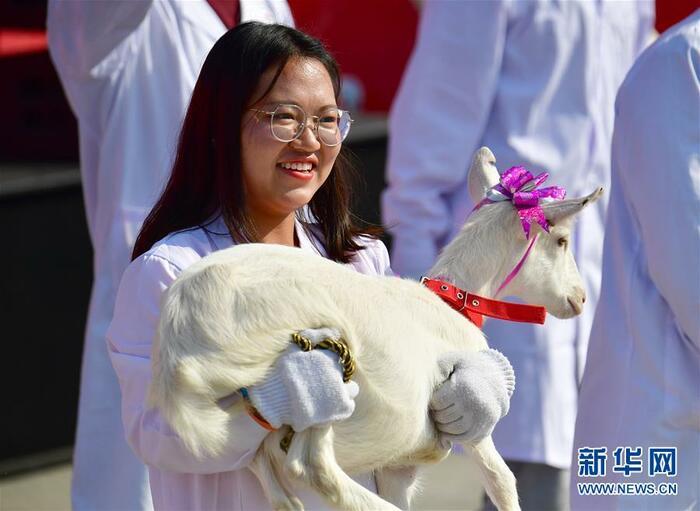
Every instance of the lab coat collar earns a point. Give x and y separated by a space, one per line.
308 234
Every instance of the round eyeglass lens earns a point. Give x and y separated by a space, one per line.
333 126
344 124
286 122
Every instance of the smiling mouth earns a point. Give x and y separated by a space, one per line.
297 166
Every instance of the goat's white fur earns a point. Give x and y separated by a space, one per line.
228 317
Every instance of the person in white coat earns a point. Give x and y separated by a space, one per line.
259 154
535 82
128 69
640 393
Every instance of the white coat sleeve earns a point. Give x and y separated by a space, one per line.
282 12
437 121
383 262
656 148
83 33
129 340
373 259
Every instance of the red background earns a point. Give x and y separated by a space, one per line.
371 39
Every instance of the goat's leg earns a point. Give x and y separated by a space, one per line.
498 480
311 458
397 485
268 466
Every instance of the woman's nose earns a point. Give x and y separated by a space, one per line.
308 140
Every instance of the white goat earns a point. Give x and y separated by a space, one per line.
227 318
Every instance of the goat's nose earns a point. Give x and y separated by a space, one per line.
576 300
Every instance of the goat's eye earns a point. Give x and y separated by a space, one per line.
563 242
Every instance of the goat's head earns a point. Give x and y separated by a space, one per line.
549 275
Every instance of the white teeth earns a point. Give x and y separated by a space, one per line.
304 167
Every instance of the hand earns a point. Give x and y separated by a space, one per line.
305 388
475 395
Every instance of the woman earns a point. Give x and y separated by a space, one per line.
104 54
261 140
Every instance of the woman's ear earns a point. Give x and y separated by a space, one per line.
483 174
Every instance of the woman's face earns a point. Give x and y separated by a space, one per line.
272 188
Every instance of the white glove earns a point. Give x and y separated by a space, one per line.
475 395
305 388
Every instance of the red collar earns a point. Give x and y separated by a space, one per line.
475 307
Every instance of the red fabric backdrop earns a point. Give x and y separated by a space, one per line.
372 40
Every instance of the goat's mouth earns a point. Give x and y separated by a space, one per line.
575 306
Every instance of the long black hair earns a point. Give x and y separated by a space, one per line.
206 178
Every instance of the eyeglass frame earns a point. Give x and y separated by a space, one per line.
303 125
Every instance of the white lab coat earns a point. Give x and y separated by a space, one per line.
128 69
535 81
641 386
179 481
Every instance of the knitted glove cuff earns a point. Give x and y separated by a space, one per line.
500 364
271 399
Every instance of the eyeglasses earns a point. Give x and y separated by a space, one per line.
287 123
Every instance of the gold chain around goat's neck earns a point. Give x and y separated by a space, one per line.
338 347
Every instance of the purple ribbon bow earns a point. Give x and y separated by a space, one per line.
519 186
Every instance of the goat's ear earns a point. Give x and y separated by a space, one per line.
559 210
482 174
